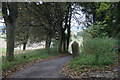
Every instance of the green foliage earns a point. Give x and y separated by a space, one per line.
103 11
98 45
101 8
89 61
96 29
101 48
25 57
55 44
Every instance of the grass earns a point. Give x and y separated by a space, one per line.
28 56
95 52
89 61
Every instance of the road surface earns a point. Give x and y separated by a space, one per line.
47 69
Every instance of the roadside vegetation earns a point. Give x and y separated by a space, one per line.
96 52
98 57
26 57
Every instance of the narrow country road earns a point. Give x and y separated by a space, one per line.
47 69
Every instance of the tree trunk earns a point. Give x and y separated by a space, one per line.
60 44
48 43
60 38
64 42
68 37
69 25
10 41
26 37
24 45
10 14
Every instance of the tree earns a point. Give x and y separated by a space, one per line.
37 22
47 15
51 16
65 25
10 14
23 26
107 13
102 12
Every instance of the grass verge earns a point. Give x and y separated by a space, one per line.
28 56
85 62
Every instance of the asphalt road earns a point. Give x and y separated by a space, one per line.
47 69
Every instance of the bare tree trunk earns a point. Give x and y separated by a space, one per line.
68 38
24 45
10 41
60 38
48 43
60 44
26 37
10 20
68 30
64 42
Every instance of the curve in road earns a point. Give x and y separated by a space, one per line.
47 69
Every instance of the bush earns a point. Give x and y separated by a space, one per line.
101 48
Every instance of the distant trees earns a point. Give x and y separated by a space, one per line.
10 14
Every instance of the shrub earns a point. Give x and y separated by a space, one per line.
101 48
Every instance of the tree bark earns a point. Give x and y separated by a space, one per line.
69 25
10 41
64 42
48 43
10 21
26 37
60 44
60 38
24 45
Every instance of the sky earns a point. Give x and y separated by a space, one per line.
1 20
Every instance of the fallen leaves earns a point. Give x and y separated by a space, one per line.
89 72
